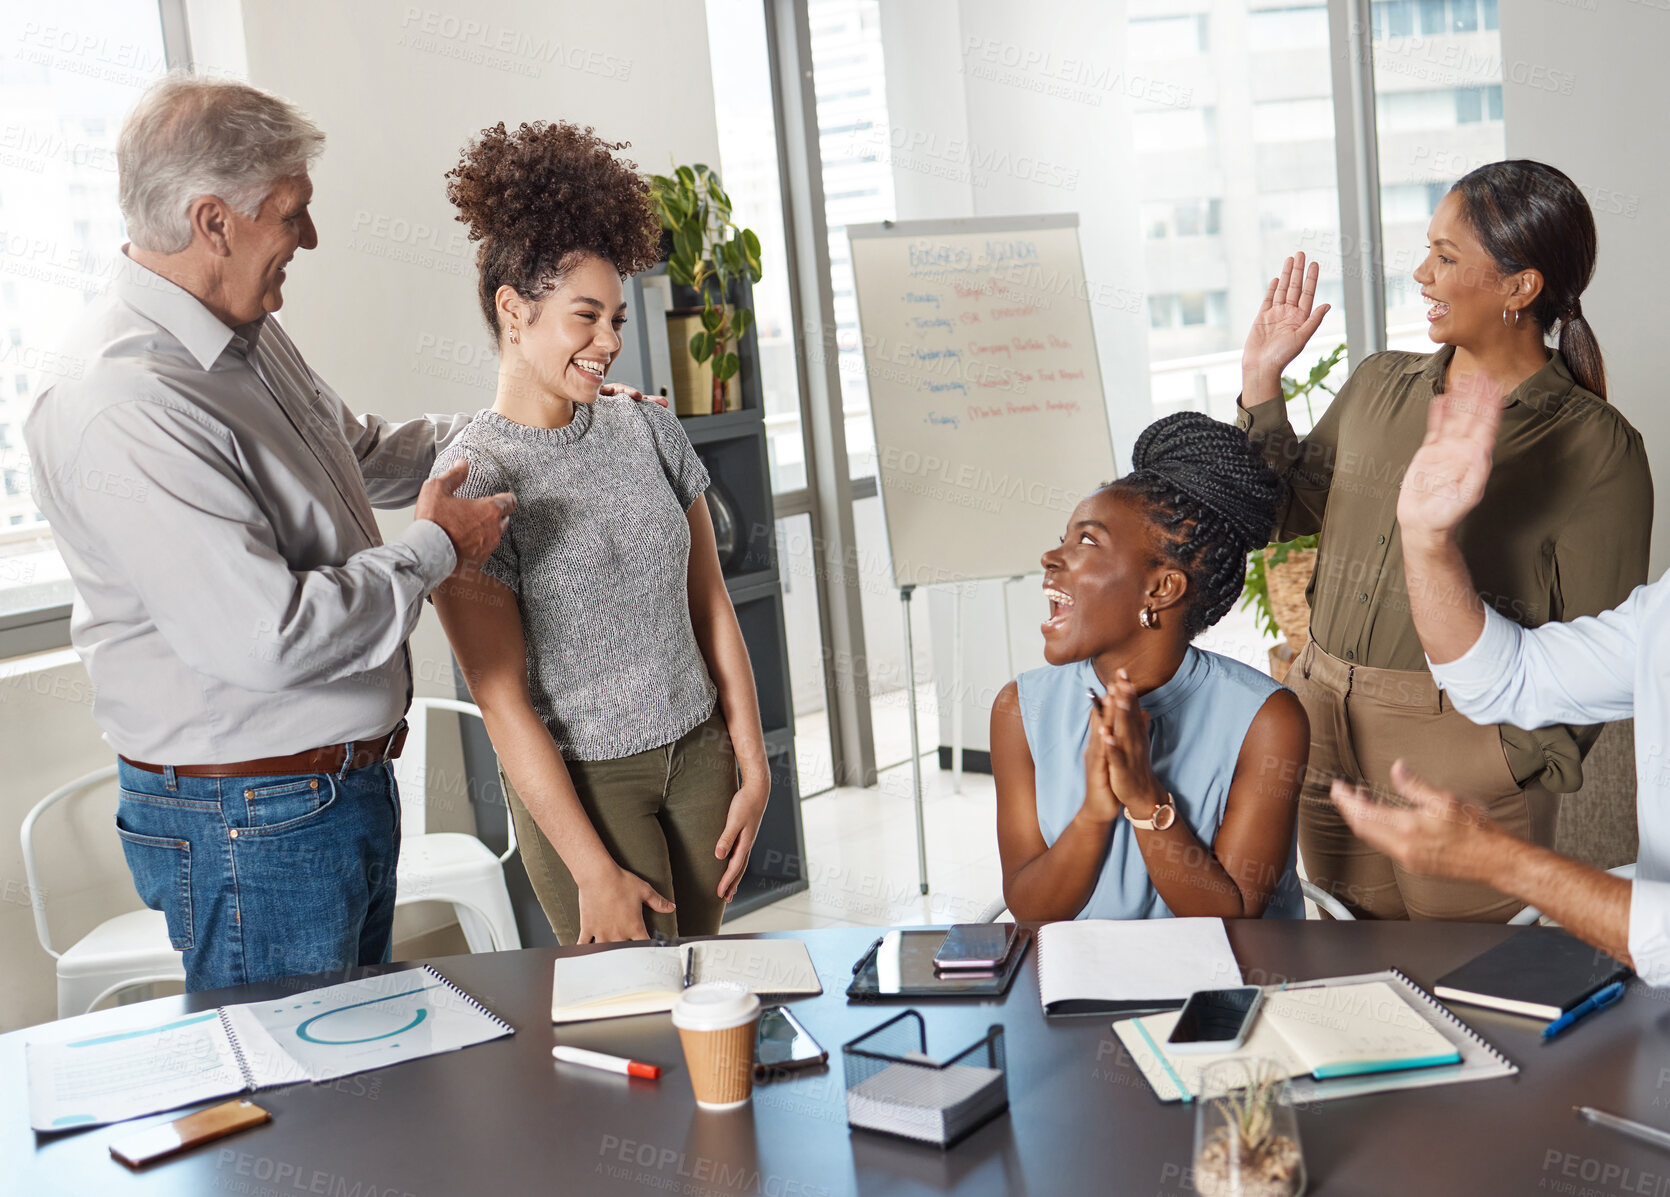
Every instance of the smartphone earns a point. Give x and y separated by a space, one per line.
783 1045
1215 1020
975 946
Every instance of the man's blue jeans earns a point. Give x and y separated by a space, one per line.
265 877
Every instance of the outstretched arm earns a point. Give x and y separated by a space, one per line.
1285 323
1439 835
1494 670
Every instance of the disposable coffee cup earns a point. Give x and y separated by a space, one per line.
717 1022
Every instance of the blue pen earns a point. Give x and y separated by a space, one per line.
1599 1001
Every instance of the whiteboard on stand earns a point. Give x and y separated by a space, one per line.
985 390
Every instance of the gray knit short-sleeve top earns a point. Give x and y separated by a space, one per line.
597 555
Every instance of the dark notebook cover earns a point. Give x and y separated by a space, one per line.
1541 972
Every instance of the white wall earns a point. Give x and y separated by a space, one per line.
1607 134
384 309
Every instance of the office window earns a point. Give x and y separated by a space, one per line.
749 169
1302 26
1258 200
1298 210
1188 309
1406 203
1186 218
1410 111
1174 129
1168 37
1294 120
1393 18
858 170
67 82
1430 137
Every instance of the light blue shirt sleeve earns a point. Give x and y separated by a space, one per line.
1577 672
1583 671
1649 930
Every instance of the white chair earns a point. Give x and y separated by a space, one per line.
450 866
120 953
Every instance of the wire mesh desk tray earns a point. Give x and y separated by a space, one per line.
895 1087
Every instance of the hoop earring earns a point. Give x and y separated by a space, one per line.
516 337
1505 318
1148 619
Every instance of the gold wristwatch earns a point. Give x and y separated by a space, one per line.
1165 814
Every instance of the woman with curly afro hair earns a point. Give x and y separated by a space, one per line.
1172 786
598 639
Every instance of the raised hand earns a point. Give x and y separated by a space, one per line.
1446 477
1284 324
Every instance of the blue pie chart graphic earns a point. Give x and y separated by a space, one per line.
367 1026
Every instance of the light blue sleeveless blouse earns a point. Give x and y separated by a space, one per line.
1196 723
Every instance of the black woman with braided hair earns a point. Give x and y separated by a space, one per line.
1562 529
1137 775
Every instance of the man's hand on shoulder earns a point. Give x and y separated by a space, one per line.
631 392
473 525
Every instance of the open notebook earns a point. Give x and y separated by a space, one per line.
317 1035
648 980
1104 966
1341 1037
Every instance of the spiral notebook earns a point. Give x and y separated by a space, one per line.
316 1035
1339 1037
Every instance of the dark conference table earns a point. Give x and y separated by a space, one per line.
501 1119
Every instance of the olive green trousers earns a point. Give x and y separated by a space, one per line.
660 814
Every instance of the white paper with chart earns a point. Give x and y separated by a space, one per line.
315 1035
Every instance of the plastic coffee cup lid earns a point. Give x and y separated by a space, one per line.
714 1006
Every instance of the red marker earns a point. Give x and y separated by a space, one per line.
579 1055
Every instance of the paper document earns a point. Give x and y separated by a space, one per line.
315 1035
1103 965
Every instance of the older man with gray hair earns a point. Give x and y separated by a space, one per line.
243 622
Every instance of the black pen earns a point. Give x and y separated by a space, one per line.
690 967
868 952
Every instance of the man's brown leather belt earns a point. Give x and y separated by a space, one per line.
315 760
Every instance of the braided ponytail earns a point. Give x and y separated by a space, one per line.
1213 499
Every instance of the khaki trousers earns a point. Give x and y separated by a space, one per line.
1361 720
659 813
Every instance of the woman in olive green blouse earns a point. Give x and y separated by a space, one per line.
1562 530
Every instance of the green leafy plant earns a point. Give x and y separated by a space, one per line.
1256 590
709 253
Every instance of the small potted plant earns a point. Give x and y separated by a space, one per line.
1246 1135
1278 575
707 252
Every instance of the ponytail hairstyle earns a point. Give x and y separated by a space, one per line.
1530 216
1212 500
